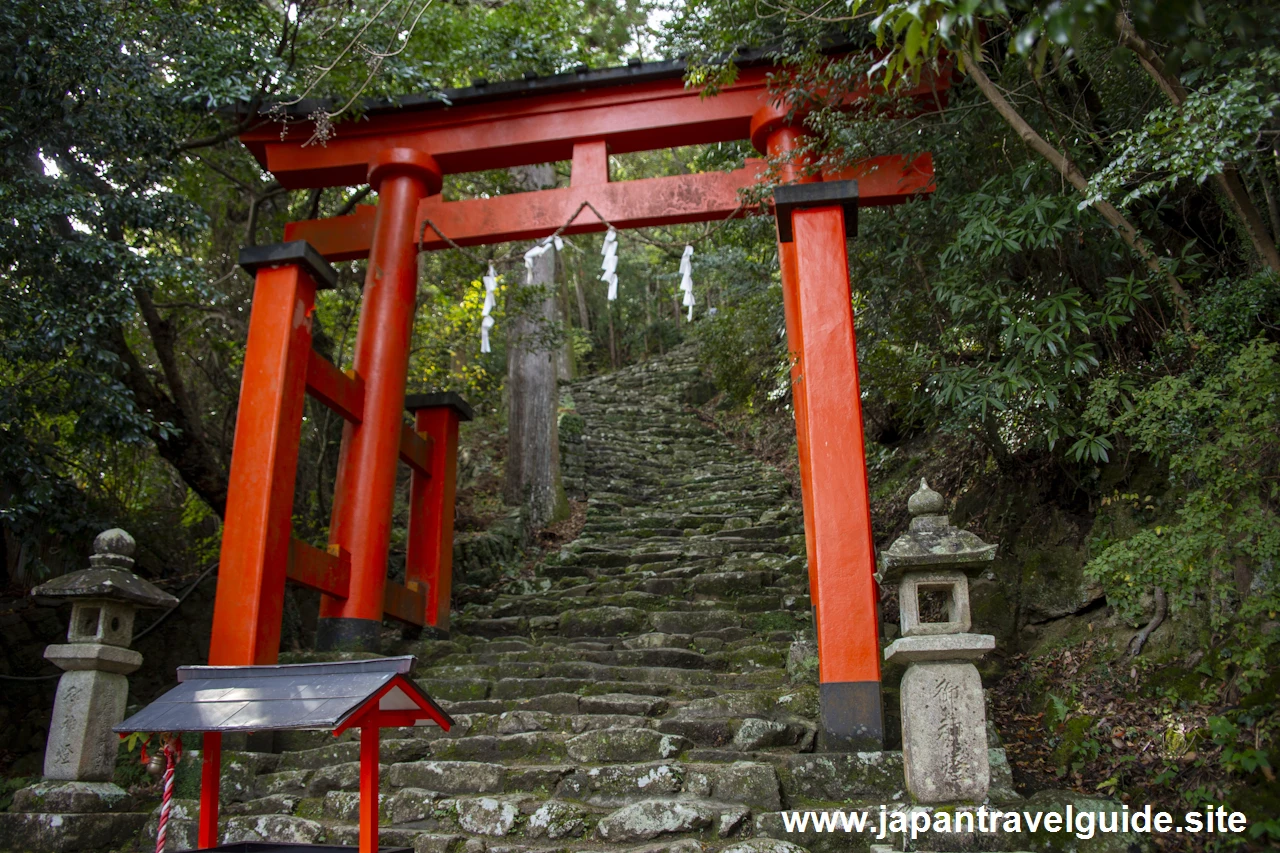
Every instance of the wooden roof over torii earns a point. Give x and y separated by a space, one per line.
581 116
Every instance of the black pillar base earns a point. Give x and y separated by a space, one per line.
852 716
348 635
417 633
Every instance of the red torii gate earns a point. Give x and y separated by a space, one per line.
403 150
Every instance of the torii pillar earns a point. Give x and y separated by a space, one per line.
814 221
365 491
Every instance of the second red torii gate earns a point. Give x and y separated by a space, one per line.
403 150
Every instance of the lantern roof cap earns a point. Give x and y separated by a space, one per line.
932 541
109 583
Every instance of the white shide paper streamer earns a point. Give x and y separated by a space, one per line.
610 264
537 252
491 286
486 323
686 279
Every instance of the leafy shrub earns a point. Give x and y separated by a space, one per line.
1218 431
745 348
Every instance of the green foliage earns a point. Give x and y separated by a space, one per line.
447 352
130 770
1020 327
914 34
10 786
1057 712
126 196
85 133
1216 126
1226 734
1218 430
1022 345
741 343
1075 745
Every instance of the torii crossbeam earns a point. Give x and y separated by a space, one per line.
403 149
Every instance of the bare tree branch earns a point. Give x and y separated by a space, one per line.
351 203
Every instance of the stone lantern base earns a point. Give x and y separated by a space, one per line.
91 698
70 817
944 733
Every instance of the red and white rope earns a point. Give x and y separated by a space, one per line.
172 751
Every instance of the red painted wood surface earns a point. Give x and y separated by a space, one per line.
590 164
702 197
369 789
372 716
782 144
326 572
429 562
844 552
361 521
210 779
402 603
415 450
535 128
340 392
257 528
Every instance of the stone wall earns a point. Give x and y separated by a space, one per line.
478 556
573 450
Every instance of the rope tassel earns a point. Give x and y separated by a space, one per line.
610 264
172 751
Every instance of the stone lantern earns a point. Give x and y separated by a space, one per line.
96 658
944 730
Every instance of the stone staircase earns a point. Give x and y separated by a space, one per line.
633 696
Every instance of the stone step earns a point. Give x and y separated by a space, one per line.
651 649
582 670
679 806
677 657
425 820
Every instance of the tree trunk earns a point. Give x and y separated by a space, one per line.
184 447
1273 210
1068 169
533 459
613 340
566 364
1228 180
584 317
648 317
